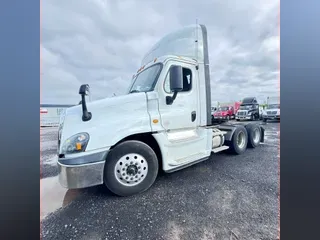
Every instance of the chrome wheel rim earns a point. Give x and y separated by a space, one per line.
241 140
256 135
131 169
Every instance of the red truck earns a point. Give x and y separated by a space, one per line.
227 112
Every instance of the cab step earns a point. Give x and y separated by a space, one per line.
220 149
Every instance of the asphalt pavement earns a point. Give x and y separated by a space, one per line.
226 197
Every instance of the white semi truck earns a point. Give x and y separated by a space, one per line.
272 111
163 123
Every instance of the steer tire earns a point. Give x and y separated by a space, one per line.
253 139
234 146
124 160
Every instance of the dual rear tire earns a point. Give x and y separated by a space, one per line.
243 137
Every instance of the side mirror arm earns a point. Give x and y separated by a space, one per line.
86 116
170 100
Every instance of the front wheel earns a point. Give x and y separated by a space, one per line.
131 167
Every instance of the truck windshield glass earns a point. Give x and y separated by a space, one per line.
272 106
223 108
146 80
246 107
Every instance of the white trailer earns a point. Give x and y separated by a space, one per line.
164 122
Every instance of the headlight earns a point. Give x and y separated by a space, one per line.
75 144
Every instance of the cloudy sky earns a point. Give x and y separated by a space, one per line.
102 42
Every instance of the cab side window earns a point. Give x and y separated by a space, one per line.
187 81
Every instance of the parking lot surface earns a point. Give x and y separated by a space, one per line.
226 197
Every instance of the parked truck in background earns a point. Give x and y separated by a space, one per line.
249 109
272 111
225 112
162 123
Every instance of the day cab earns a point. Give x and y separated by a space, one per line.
225 112
162 123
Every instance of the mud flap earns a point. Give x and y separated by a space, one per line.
262 134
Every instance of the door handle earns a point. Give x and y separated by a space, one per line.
193 116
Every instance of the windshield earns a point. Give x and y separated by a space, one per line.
245 107
146 80
223 108
273 106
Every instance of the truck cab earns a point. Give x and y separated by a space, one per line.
162 123
272 111
225 112
248 110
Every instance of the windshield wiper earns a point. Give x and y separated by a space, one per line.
134 91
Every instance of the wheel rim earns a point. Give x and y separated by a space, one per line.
131 169
241 140
256 135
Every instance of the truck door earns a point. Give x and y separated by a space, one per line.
185 141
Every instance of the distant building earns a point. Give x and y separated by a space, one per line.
50 114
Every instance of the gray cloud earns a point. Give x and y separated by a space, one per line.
102 43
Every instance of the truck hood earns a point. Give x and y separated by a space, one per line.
221 112
242 110
117 116
272 109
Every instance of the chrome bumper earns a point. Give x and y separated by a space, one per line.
83 171
243 117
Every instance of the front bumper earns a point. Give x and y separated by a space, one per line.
266 117
82 171
241 117
220 117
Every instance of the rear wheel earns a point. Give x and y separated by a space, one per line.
239 141
254 135
131 168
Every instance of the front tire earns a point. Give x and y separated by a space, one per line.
131 168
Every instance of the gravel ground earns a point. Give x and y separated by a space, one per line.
48 148
227 197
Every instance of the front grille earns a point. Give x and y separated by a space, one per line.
241 113
272 112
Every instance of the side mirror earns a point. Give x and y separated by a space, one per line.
176 83
85 91
176 79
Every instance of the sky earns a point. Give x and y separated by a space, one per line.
102 43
